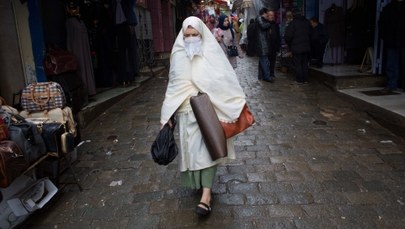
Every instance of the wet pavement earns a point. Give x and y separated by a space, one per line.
312 160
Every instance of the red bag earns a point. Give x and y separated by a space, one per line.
245 120
3 130
12 163
59 61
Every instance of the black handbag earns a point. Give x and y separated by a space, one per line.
164 149
232 50
51 133
29 140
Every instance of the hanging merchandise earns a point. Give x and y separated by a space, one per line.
78 44
334 21
58 61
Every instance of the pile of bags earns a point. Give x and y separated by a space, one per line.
45 125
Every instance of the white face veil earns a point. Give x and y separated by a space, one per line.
193 46
210 72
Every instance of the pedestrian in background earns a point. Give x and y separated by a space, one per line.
263 45
225 36
251 38
319 39
392 32
275 42
298 38
198 64
212 22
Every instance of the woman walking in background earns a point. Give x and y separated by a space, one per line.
225 36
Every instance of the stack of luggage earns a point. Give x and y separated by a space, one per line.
45 125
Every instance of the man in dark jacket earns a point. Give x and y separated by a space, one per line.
319 38
298 37
263 45
392 31
275 42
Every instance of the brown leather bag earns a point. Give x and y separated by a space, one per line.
3 130
210 126
58 61
244 121
12 162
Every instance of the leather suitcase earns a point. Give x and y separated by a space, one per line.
12 162
56 115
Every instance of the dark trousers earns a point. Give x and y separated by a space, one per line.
301 61
264 69
317 53
395 67
272 62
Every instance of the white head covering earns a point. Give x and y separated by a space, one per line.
210 73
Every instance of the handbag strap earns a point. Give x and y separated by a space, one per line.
2 101
233 43
43 102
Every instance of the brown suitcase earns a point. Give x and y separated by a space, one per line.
12 162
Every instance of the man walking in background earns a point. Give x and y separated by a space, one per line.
298 36
263 45
319 38
275 42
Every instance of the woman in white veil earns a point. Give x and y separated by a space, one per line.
198 64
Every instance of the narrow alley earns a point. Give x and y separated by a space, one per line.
312 160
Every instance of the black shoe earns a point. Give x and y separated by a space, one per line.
297 83
202 212
269 80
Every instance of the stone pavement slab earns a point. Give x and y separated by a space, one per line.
312 160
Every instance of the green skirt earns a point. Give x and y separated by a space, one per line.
199 178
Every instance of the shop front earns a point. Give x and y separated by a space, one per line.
110 40
352 26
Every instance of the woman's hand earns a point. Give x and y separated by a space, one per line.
169 122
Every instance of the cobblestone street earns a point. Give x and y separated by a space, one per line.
312 160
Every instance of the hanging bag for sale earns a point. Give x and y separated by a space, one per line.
43 96
58 61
